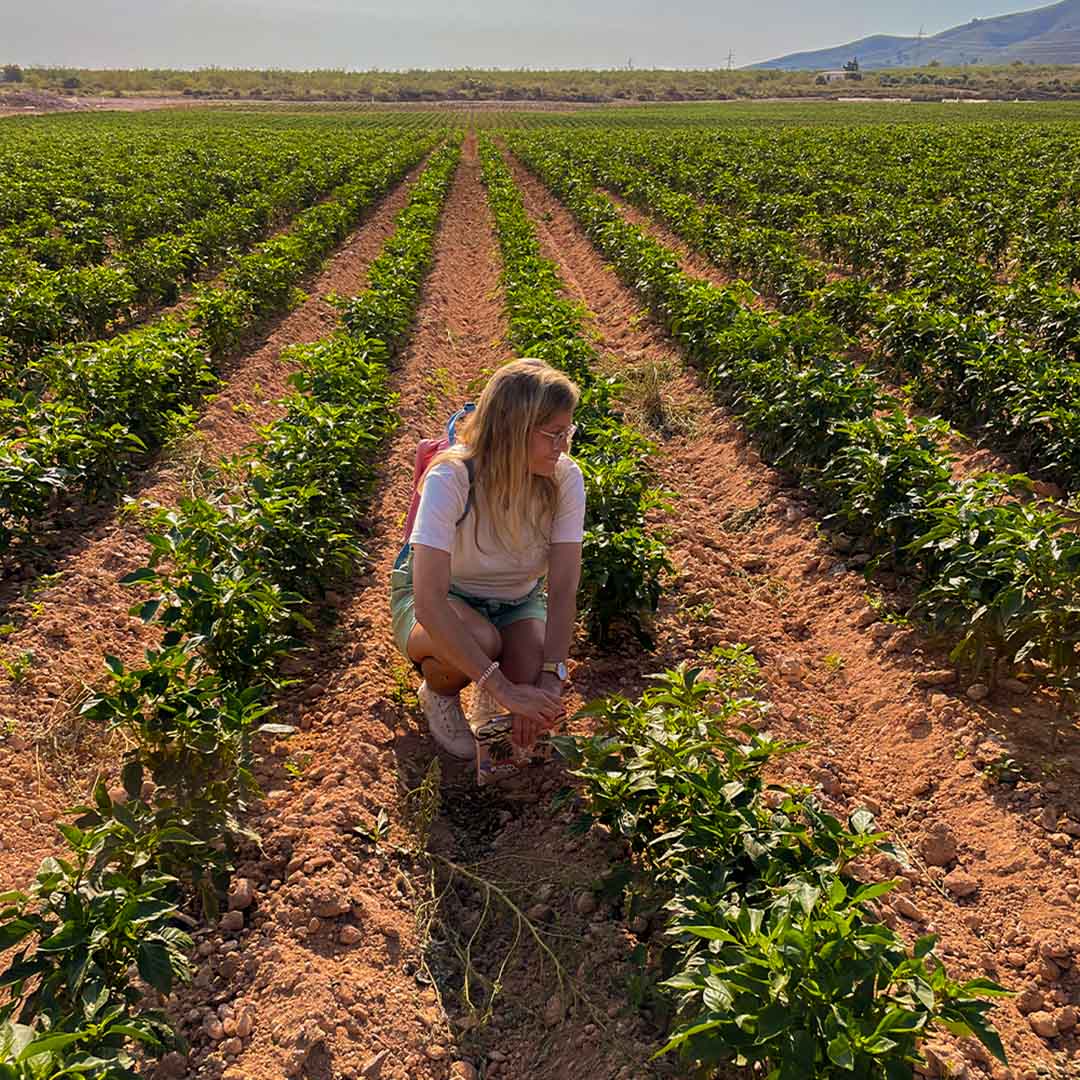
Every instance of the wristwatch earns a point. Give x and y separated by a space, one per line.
556 667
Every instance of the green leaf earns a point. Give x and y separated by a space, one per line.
841 1053
898 1019
710 933
139 1034
173 834
48 1044
147 610
807 896
154 965
678 1040
72 834
102 799
878 1045
151 911
924 946
872 892
13 932
985 988
772 1020
140 575
69 935
132 778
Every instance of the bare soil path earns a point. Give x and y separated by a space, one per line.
68 622
329 960
882 734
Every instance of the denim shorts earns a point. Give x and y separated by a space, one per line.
499 613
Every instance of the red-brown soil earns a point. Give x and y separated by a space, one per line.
326 1005
74 618
753 570
335 971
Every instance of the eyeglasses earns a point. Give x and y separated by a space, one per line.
560 437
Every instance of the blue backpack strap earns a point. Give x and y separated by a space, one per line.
451 425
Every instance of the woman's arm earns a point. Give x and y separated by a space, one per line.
564 575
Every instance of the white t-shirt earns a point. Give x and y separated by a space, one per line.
490 571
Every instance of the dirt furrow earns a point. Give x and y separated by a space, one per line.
888 725
328 962
67 622
970 459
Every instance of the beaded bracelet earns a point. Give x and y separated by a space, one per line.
494 666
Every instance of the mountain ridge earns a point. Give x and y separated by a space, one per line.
1045 35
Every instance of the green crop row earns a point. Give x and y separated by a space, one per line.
999 197
80 188
999 359
773 953
102 405
995 568
945 220
623 564
231 571
961 361
40 305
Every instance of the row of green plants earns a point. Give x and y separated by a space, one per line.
231 574
97 407
623 562
76 193
997 196
40 305
772 952
932 332
80 188
908 222
995 568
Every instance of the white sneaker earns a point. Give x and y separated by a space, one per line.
484 707
446 722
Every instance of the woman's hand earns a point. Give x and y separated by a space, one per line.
552 683
534 710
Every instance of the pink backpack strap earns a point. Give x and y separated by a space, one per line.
425 451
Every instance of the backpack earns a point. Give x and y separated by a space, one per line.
425 452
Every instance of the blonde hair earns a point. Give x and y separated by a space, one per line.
519 397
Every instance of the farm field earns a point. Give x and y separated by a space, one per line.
829 622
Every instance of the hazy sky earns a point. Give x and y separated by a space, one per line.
359 34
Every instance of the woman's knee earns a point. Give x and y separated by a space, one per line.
487 637
490 640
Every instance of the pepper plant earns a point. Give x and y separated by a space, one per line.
775 953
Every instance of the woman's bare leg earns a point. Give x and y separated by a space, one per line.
442 677
522 658
523 650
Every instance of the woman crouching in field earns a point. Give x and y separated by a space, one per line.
499 510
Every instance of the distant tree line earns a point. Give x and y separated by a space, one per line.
624 84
